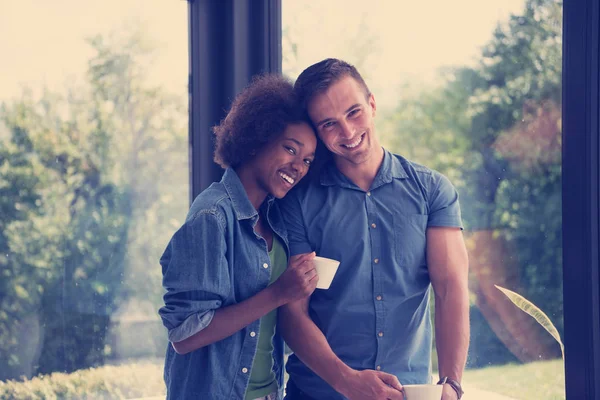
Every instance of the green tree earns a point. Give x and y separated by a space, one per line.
65 214
90 182
148 130
494 129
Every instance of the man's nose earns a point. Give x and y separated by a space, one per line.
346 129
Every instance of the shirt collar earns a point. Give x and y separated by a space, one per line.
242 206
391 168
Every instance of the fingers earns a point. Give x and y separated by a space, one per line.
300 258
393 394
391 380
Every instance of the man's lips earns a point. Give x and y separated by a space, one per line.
355 143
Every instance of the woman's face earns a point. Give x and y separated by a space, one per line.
283 162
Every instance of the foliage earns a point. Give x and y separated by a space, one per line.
87 193
531 309
67 240
143 379
494 129
127 381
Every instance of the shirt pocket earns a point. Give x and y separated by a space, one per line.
410 239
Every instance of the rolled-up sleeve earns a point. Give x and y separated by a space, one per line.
195 275
444 208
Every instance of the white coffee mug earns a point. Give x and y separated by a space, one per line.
326 269
422 392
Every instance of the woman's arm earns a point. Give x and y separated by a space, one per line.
298 281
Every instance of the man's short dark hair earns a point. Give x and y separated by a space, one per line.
260 113
317 78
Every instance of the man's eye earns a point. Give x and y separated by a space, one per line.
328 124
354 112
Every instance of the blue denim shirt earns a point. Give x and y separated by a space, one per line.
375 315
214 260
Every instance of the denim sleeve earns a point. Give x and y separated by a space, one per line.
195 275
294 223
444 208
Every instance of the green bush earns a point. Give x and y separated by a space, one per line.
128 381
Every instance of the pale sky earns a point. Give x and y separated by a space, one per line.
42 42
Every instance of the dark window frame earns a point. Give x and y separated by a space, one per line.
581 74
231 40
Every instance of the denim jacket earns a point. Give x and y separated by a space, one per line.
214 260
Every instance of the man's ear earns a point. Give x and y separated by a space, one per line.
373 104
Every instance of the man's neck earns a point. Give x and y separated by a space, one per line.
362 175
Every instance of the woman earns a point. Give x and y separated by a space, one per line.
224 270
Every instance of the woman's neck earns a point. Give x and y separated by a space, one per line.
255 194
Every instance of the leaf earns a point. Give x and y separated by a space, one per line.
531 309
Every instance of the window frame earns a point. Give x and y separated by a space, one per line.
231 40
580 198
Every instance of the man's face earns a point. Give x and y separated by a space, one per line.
280 165
344 118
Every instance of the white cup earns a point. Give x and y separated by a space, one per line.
326 269
422 392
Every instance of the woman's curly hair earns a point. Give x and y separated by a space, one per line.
260 113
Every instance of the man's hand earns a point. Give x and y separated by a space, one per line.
298 281
372 385
448 393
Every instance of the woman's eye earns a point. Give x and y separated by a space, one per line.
290 150
308 162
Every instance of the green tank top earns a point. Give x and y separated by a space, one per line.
262 378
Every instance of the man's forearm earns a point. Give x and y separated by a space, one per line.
311 347
452 330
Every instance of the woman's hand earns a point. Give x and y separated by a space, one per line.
298 281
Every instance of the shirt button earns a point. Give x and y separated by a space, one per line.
245 370
376 261
265 265
368 193
252 334
379 298
378 368
373 225
380 334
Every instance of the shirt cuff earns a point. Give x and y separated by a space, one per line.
192 325
451 221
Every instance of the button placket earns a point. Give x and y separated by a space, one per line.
375 232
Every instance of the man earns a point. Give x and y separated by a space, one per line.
396 227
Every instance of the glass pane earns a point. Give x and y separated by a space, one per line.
473 90
93 181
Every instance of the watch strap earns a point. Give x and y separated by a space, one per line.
453 384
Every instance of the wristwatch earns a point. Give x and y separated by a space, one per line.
453 384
